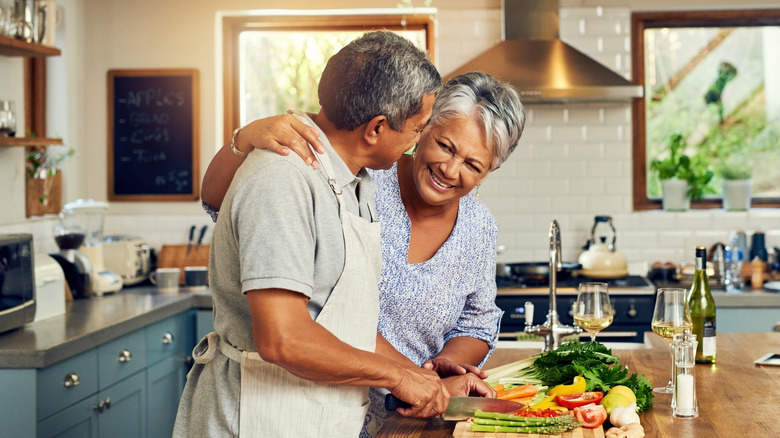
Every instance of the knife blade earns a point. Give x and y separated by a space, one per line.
200 237
461 408
192 237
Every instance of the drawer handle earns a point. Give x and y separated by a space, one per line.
125 356
71 380
167 338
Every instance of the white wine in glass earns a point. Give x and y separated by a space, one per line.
593 310
670 317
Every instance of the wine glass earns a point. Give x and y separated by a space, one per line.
670 317
592 310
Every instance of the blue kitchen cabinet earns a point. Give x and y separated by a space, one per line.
204 324
126 387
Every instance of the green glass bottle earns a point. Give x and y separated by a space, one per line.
702 308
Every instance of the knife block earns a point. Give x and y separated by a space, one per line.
176 256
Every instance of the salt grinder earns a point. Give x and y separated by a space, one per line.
684 397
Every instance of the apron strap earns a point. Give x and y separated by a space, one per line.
323 158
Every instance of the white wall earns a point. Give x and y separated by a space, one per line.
574 162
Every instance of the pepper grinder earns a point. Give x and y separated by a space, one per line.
684 396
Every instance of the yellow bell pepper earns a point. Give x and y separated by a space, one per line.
548 403
576 387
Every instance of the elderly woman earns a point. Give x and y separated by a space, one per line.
437 287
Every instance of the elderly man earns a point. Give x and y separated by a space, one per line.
295 263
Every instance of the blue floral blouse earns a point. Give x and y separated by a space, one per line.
424 305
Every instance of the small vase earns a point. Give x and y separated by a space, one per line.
737 194
675 195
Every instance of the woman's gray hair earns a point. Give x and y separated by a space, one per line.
380 73
494 103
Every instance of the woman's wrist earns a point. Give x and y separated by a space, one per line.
234 144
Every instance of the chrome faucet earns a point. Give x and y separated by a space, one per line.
552 330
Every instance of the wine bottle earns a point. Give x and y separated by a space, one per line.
702 309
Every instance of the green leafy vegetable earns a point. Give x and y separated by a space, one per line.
592 360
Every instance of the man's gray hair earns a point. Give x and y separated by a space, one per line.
494 103
380 73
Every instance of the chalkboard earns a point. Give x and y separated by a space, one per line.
153 135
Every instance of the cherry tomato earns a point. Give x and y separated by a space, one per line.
579 399
591 415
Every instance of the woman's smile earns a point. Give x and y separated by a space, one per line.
437 182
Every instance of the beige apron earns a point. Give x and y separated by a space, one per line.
274 402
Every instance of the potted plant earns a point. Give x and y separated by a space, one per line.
43 182
737 177
682 178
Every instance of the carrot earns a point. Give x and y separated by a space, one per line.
499 388
524 400
518 392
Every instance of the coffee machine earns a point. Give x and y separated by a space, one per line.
75 265
88 214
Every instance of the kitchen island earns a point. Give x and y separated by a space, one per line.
736 398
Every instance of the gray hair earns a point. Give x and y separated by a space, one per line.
494 103
380 73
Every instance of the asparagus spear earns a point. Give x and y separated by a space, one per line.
549 430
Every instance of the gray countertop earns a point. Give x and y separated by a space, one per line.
91 322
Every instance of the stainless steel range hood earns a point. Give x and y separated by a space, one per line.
543 68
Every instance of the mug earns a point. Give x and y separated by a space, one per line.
196 277
166 279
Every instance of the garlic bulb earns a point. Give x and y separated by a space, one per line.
624 416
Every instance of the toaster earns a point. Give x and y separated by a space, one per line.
128 256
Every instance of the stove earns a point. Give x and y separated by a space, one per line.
633 298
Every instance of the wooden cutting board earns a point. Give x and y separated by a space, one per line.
462 431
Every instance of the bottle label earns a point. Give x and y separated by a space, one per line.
708 338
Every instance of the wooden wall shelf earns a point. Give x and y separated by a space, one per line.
14 47
23 141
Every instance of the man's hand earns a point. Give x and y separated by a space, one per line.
444 367
424 390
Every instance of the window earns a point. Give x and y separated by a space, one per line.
273 62
711 77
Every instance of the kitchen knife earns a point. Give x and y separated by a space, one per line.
461 408
192 237
200 237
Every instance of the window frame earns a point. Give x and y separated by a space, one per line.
640 21
232 26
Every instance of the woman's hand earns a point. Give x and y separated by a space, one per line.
468 384
444 367
283 133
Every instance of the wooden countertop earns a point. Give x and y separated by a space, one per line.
735 397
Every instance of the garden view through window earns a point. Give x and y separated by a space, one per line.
715 90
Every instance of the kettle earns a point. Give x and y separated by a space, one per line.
601 260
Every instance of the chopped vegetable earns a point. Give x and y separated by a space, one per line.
518 392
539 413
591 415
572 401
592 360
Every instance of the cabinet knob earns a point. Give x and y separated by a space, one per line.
108 402
125 356
167 338
99 407
632 312
71 380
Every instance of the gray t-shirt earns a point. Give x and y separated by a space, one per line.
279 227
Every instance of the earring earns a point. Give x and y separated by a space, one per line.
477 194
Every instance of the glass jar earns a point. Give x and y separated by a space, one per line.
684 397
